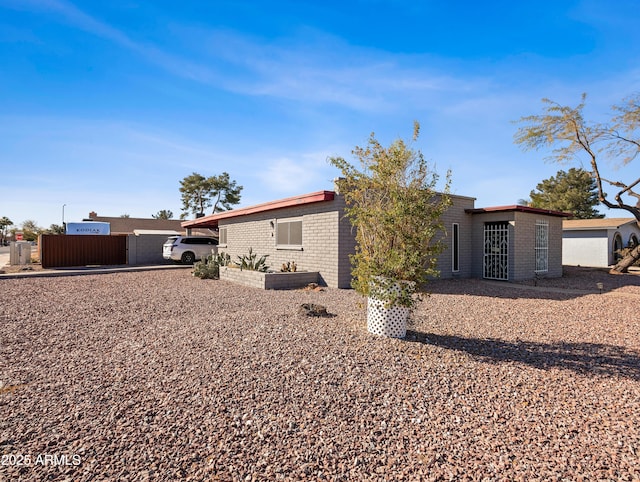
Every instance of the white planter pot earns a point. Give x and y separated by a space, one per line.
391 321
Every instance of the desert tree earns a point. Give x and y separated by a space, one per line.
5 222
224 192
199 193
163 214
572 138
54 229
31 230
392 202
573 191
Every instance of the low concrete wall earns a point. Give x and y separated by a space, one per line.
268 281
146 249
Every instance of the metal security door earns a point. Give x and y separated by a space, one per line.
496 251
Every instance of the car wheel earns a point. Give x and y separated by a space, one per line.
188 258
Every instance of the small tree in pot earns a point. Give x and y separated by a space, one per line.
392 203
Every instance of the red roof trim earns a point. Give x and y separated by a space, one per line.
212 219
517 207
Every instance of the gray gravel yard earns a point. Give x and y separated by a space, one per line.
157 375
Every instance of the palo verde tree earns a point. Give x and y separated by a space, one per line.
572 138
574 191
199 193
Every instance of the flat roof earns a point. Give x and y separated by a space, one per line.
167 232
211 221
517 207
593 224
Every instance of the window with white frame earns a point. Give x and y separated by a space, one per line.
542 246
289 233
222 236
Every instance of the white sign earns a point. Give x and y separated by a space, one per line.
89 227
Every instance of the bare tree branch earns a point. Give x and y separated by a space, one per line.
564 130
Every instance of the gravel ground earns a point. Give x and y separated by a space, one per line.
162 376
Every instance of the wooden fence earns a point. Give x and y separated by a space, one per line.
66 250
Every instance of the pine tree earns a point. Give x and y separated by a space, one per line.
573 192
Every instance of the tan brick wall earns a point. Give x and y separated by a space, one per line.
522 259
325 241
270 281
328 240
456 214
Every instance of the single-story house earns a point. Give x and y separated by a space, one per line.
143 241
120 225
502 243
594 242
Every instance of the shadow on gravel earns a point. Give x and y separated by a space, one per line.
584 358
575 283
501 290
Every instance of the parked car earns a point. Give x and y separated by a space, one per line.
188 249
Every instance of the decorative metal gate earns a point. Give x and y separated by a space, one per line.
496 250
542 246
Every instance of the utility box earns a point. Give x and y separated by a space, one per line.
20 253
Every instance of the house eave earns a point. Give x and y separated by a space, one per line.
518 208
597 224
212 220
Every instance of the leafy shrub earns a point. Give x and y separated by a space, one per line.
392 202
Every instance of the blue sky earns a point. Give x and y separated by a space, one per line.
106 106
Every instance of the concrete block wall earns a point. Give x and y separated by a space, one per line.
555 247
524 246
456 214
146 249
287 281
346 246
324 244
328 239
522 235
268 281
254 279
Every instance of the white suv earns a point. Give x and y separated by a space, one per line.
188 249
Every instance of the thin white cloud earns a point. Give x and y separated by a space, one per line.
290 176
311 67
83 21
317 68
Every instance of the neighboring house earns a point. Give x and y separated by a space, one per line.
504 243
142 243
310 229
594 242
121 225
